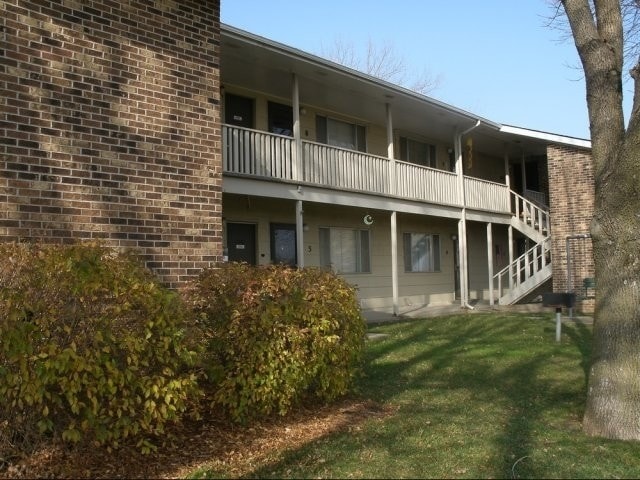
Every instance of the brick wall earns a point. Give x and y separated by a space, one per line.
571 196
110 127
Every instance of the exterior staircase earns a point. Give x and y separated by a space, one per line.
533 267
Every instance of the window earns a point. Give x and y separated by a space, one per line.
421 252
341 134
417 152
280 118
345 250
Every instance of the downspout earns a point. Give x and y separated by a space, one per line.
462 244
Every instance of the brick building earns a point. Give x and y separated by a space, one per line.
120 119
571 202
110 127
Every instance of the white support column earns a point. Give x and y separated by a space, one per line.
507 175
297 139
390 152
464 274
300 233
524 174
490 261
394 262
510 258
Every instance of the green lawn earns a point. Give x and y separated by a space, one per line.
482 395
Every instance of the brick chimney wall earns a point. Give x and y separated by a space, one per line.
571 202
110 127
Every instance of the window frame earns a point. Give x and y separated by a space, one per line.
359 132
404 152
362 262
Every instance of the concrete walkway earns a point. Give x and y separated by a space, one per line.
411 312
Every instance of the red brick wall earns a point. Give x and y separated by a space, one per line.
110 127
571 198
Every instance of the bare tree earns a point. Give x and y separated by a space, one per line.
382 61
605 34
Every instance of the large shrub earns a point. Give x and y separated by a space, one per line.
275 335
91 346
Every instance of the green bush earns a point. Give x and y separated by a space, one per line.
91 346
276 335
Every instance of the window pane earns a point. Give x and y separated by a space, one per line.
325 250
345 250
362 140
321 129
417 152
421 252
341 134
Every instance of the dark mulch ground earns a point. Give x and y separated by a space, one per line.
207 443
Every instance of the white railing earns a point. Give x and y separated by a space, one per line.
427 184
524 267
252 152
347 169
256 153
529 213
486 195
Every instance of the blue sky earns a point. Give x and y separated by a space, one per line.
497 58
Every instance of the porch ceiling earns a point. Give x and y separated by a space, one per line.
258 64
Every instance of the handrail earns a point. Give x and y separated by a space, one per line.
525 266
529 213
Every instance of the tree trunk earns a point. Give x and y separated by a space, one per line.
613 398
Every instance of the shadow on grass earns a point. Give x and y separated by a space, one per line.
473 394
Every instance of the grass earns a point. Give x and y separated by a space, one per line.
471 396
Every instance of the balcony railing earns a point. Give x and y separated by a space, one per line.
345 169
265 155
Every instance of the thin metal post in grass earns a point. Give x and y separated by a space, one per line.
558 300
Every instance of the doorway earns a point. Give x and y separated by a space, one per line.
283 244
238 111
241 242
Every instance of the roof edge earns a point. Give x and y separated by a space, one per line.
322 62
549 137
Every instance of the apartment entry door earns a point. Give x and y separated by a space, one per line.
238 111
241 242
283 244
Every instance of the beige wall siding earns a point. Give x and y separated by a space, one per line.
478 257
374 288
485 167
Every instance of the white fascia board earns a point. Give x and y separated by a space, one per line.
549 137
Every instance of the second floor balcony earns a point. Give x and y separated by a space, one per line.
272 157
